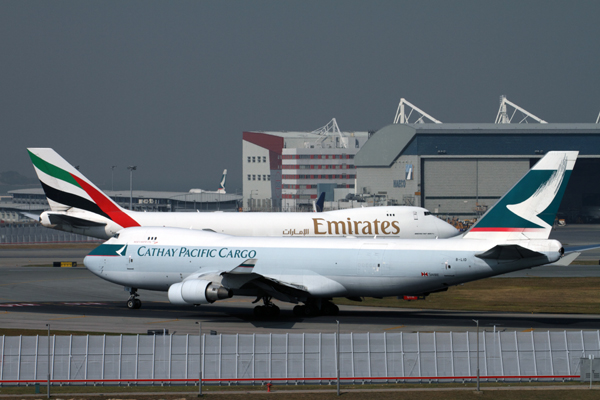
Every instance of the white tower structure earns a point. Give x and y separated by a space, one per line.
403 118
503 118
328 130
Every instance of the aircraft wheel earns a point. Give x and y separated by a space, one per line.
312 310
138 303
273 311
330 309
131 304
266 312
259 312
300 311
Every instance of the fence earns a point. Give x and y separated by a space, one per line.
419 356
35 233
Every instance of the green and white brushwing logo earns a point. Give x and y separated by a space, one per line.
110 250
542 198
531 204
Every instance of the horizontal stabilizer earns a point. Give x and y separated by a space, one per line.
35 217
244 268
585 247
508 252
61 219
566 260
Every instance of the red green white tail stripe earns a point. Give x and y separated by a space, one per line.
67 189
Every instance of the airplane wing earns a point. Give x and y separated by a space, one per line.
243 277
508 252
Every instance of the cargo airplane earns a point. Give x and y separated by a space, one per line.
78 206
221 188
201 267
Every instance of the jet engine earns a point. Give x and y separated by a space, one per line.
197 291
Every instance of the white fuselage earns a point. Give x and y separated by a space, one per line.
156 258
394 221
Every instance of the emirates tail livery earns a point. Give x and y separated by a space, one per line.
199 267
78 206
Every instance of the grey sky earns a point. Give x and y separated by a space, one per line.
171 86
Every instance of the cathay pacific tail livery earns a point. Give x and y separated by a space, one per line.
221 186
78 206
200 267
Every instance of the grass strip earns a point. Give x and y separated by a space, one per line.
530 295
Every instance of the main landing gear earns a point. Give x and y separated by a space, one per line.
133 303
266 311
316 308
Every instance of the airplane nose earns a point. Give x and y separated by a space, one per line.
445 230
93 264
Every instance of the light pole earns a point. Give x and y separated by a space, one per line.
252 198
337 353
48 382
112 178
131 168
477 322
199 358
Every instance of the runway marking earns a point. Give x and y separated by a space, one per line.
395 327
160 322
20 305
528 330
80 316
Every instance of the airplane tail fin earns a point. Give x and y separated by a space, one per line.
318 205
222 183
67 189
528 209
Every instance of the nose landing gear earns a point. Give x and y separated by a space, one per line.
133 303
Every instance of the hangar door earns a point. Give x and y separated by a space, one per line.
466 187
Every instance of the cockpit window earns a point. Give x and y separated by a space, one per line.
427 213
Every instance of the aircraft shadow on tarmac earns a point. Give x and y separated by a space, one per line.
378 318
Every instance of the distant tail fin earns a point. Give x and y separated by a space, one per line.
318 205
66 188
222 184
528 210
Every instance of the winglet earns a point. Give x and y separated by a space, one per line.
245 268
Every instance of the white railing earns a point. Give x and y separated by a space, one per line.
414 357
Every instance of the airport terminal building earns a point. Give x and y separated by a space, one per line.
460 170
286 171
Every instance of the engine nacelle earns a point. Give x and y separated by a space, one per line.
197 291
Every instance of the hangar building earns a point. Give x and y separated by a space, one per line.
460 170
